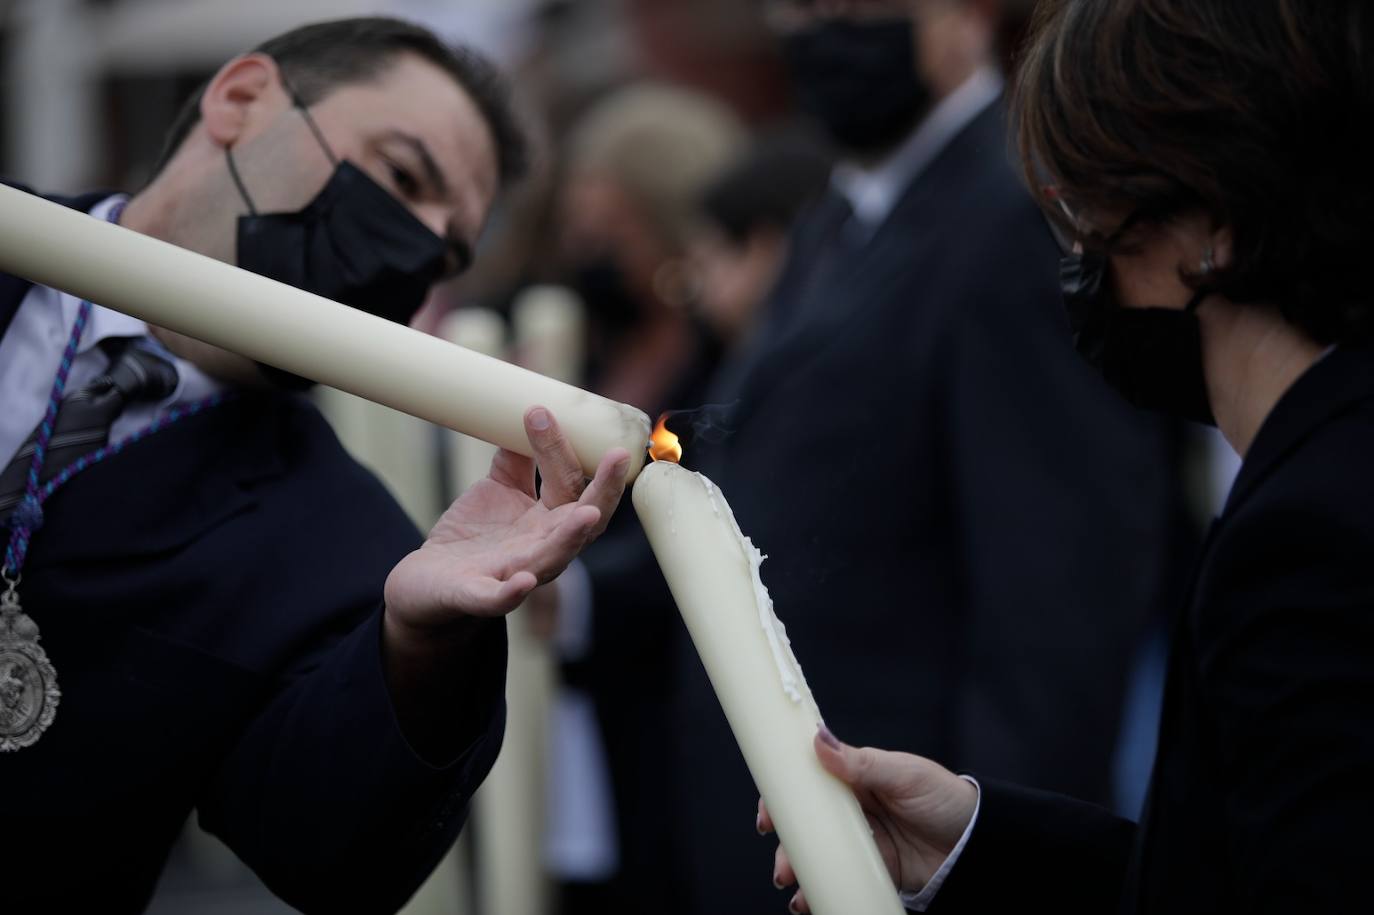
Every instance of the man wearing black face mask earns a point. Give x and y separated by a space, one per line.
236 619
974 583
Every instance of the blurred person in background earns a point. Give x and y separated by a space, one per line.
977 581
741 241
242 622
636 164
1206 165
610 744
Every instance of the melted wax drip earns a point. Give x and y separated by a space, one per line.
789 671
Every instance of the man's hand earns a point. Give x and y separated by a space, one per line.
500 539
918 810
442 634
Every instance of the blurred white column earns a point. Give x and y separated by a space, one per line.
548 323
52 96
398 448
448 891
508 809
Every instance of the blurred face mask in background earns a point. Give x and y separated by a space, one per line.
602 285
858 78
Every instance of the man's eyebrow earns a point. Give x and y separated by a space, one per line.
436 177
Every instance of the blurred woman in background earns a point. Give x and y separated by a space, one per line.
637 163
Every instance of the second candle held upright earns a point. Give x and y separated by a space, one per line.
713 571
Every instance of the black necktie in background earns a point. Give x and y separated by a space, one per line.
84 417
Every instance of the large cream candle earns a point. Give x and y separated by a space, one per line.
713 572
302 333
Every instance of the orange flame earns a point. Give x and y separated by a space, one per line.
663 445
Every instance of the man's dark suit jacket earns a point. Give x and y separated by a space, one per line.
964 525
211 600
1263 790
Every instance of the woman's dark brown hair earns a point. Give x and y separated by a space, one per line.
1259 113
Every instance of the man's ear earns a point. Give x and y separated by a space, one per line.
242 96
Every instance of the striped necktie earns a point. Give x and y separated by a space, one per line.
84 418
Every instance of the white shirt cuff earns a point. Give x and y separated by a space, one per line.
918 902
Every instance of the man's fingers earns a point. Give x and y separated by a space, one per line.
559 468
513 470
608 486
569 529
493 597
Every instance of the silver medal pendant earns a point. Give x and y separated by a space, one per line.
28 681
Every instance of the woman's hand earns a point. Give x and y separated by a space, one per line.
918 810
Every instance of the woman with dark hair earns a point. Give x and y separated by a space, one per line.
1206 164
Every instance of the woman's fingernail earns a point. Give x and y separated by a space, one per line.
794 906
777 881
758 825
829 739
539 419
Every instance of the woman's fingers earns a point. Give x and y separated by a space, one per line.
884 773
897 785
763 821
798 904
783 875
559 468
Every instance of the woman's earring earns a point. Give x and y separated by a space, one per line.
1209 263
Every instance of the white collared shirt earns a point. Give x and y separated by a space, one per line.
31 351
874 190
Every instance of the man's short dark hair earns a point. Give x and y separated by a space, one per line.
318 58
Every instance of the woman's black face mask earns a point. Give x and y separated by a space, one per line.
354 243
1152 356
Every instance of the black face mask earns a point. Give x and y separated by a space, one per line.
859 80
354 243
1152 356
602 285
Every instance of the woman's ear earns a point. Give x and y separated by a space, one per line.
244 94
1223 250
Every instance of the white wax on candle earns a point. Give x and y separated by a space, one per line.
789 671
713 572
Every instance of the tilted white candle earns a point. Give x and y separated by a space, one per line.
713 572
303 333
